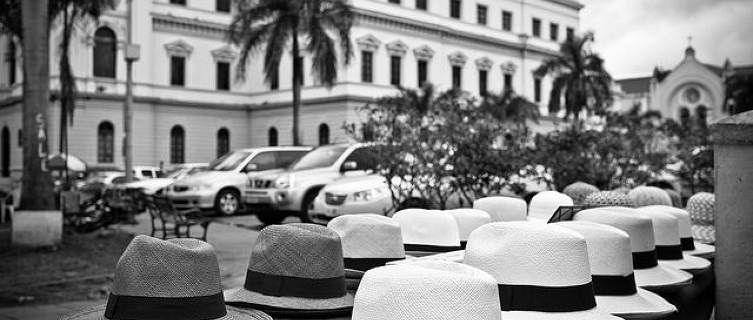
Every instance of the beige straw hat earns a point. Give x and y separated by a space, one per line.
649 274
612 273
427 232
173 279
608 198
646 196
689 246
427 290
701 210
503 208
578 191
368 240
295 270
542 270
468 220
545 203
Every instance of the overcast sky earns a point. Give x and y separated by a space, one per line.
633 36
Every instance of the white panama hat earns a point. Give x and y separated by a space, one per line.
612 273
427 232
427 290
542 270
545 203
502 208
646 196
649 274
689 246
468 220
667 241
701 209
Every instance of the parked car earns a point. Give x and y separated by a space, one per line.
281 193
354 195
175 173
220 187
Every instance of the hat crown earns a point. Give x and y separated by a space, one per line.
175 268
637 226
468 220
523 253
298 250
427 290
608 247
503 208
646 195
701 207
666 227
682 216
368 236
608 198
545 203
428 227
578 191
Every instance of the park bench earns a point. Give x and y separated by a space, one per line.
174 223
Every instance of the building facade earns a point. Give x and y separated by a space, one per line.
189 107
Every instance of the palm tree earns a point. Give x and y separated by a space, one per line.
580 77
510 107
272 24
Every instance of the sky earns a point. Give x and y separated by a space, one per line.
634 36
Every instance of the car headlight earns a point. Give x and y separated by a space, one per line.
199 187
365 196
284 181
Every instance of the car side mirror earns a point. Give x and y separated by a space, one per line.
349 166
251 167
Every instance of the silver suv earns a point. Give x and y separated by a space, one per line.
221 186
276 195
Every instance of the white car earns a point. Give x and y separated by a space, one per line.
353 195
177 172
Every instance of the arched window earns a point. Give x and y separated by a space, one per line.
684 116
177 145
272 136
223 142
11 62
105 49
105 142
5 153
701 113
323 134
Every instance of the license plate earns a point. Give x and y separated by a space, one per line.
256 200
331 212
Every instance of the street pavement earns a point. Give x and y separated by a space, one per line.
232 238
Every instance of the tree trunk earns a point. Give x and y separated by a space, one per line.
297 83
36 192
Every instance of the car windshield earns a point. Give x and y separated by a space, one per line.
229 161
320 157
176 172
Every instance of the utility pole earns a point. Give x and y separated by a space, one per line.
132 53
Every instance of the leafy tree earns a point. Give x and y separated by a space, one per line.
272 24
739 93
580 77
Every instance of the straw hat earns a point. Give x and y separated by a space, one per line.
646 196
649 274
427 290
689 246
428 232
468 220
578 191
158 279
675 196
295 270
608 198
542 270
502 208
701 210
545 203
667 237
612 273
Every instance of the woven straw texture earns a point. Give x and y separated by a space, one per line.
428 227
98 312
608 198
646 196
701 208
427 290
579 191
369 236
503 208
545 203
704 233
468 220
299 250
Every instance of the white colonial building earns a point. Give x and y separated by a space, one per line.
189 107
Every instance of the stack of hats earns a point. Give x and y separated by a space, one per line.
701 210
608 198
646 196
544 204
578 191
502 208
689 246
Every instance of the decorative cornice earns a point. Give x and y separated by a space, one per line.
368 43
169 23
484 63
508 67
457 59
178 48
397 48
224 54
423 53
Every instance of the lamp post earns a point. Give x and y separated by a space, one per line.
132 52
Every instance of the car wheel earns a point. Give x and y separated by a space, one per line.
227 202
270 218
308 200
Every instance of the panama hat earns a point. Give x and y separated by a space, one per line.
646 196
427 232
295 270
701 210
427 290
542 270
167 279
667 241
502 208
545 203
689 246
578 191
468 220
608 198
649 274
612 273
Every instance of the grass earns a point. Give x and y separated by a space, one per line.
80 268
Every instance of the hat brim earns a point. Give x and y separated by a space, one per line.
241 297
536 220
688 263
452 256
643 304
702 250
596 313
662 279
98 313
